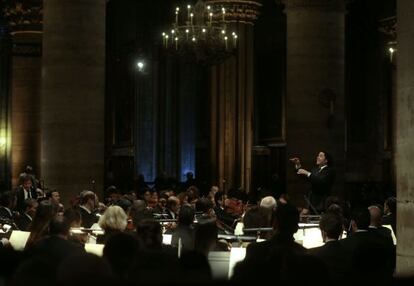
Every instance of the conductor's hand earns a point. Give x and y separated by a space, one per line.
296 161
303 172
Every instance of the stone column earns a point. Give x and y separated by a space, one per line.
315 86
73 87
25 20
404 156
232 102
5 79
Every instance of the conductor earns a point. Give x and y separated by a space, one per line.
321 178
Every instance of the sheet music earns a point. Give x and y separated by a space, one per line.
18 239
96 249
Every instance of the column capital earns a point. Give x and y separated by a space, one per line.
23 16
241 11
388 27
324 5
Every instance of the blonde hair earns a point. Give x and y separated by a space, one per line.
114 218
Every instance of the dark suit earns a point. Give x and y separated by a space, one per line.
88 219
390 219
57 248
20 198
370 256
23 222
336 260
266 258
321 184
5 214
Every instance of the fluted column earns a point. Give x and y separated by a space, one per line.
315 85
405 137
73 86
232 102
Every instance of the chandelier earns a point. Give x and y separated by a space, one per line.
201 30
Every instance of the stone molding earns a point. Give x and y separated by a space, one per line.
241 11
23 15
324 5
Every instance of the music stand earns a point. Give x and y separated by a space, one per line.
310 205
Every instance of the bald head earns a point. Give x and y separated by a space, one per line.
268 202
376 215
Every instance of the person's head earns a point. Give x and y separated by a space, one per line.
88 199
173 204
255 217
53 196
8 199
30 207
73 217
360 219
186 215
219 198
286 219
189 176
324 158
390 206
114 194
60 226
331 226
376 215
39 227
114 218
268 202
149 233
204 205
27 182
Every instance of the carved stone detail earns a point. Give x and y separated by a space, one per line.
23 15
388 27
242 11
329 5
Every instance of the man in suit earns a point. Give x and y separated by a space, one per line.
7 204
332 253
25 191
273 256
370 256
321 178
87 209
56 246
26 218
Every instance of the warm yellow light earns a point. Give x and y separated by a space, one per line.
3 141
391 50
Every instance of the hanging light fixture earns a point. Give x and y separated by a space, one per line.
202 30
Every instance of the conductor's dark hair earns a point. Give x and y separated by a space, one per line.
329 158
